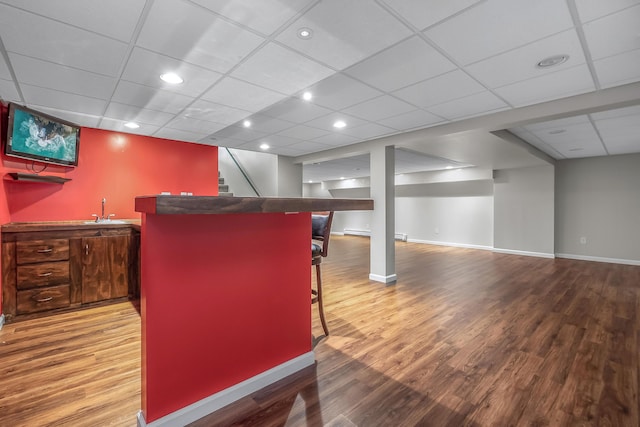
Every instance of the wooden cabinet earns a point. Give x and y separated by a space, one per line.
47 269
105 268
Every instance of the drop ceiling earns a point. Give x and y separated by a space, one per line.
387 68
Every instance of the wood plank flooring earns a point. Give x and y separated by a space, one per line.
465 338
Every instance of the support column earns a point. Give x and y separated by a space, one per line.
382 246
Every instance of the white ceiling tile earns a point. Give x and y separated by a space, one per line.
479 103
58 77
85 120
369 131
242 95
406 63
278 141
205 110
326 122
4 69
620 134
340 91
344 32
129 113
118 126
520 64
179 135
194 125
423 14
239 133
296 110
379 108
493 27
8 91
576 135
265 16
303 132
94 15
592 9
204 38
290 151
306 147
571 81
268 124
145 68
336 139
34 95
150 98
578 153
281 69
619 69
60 43
412 120
614 34
437 90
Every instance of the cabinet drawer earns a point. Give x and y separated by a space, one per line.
28 252
42 274
41 299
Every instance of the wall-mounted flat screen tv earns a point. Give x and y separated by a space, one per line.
37 136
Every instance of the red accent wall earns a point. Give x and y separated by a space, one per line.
113 165
224 298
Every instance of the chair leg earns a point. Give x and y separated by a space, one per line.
320 304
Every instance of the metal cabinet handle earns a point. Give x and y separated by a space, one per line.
46 299
45 274
45 251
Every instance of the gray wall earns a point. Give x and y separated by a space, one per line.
598 198
523 201
289 178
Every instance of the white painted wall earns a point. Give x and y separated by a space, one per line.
523 214
272 175
459 213
598 198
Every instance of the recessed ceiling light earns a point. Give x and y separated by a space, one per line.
171 78
310 182
305 33
132 125
342 177
449 167
552 61
557 131
246 123
339 124
307 96
264 146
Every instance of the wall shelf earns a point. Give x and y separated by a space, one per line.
31 177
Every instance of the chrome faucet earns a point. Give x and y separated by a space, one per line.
103 218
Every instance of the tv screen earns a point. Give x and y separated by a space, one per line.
37 136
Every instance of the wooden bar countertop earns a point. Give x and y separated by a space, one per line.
181 205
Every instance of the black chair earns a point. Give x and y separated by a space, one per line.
320 232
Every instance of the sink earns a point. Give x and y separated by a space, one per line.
106 221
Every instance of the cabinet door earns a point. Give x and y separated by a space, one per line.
105 268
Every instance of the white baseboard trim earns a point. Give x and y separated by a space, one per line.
367 233
216 401
455 245
392 278
525 253
1 320
599 259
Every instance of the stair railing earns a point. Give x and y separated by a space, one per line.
243 171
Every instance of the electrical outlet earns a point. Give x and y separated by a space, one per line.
583 240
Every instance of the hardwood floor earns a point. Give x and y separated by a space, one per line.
466 337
